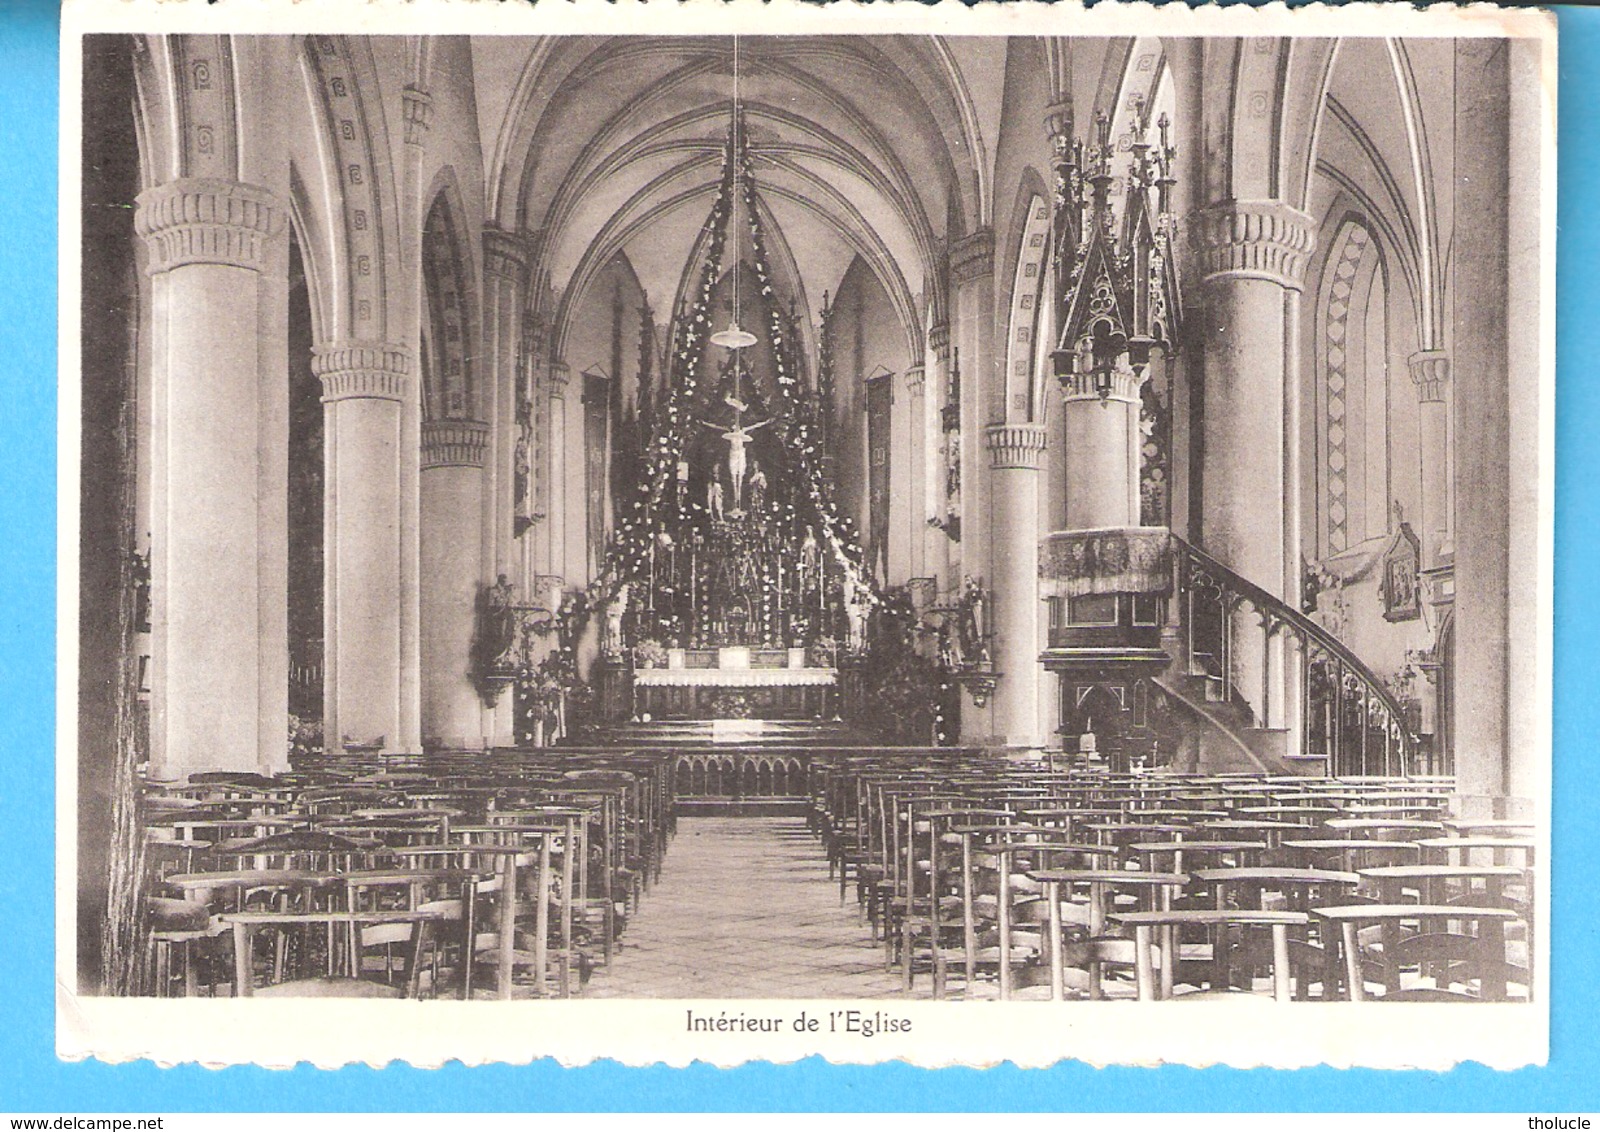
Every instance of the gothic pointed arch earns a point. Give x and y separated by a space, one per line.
1351 384
358 178
451 389
1027 251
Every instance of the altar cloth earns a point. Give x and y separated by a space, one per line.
734 677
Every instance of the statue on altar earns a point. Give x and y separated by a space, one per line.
856 607
949 652
616 609
758 489
714 498
810 560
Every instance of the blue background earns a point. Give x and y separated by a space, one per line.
32 1080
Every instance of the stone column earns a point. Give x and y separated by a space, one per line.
1015 455
1498 344
505 276
365 386
1102 451
1430 372
1253 257
452 507
219 376
417 112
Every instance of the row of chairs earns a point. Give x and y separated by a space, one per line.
508 873
1018 880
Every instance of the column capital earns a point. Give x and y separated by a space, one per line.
505 255
1078 386
1016 445
353 370
1254 240
557 376
201 220
916 378
417 109
972 256
454 443
939 341
1430 370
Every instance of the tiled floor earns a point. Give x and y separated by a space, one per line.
745 909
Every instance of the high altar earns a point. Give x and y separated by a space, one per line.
733 586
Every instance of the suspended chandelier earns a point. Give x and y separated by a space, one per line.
735 337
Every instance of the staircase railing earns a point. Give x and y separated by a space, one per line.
1348 716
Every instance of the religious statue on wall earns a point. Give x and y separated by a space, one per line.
974 628
500 623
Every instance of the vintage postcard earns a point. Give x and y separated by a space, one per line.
726 532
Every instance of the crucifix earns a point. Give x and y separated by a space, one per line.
738 436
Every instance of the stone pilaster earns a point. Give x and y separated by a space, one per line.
1430 373
219 424
1016 453
365 388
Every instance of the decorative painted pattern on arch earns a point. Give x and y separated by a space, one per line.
352 163
1352 246
451 394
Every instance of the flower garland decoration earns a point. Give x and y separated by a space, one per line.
797 427
628 557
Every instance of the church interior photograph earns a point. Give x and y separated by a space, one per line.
850 516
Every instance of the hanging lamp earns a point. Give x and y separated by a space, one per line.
735 337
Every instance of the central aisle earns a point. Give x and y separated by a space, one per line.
745 909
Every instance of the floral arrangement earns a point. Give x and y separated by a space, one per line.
649 653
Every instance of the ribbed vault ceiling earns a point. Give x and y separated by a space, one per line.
861 146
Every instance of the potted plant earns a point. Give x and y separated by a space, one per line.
649 653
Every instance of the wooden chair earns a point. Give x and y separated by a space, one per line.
179 929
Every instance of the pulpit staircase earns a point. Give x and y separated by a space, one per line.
1350 723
